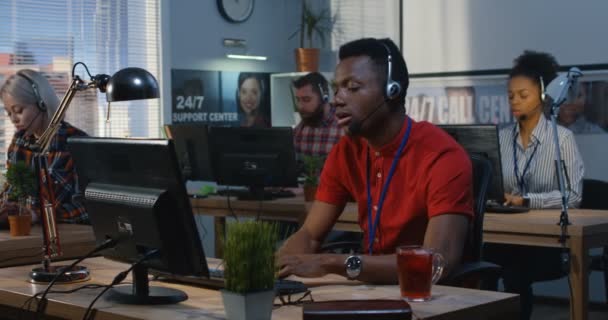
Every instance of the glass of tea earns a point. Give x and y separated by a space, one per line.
418 269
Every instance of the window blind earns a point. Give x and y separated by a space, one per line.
365 18
107 35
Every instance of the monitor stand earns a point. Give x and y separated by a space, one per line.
141 293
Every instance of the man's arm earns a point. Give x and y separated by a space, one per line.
445 233
319 221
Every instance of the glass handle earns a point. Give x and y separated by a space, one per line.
438 265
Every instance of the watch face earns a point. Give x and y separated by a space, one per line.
353 266
235 10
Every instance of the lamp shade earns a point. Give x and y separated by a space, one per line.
132 84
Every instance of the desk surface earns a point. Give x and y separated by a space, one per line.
76 240
448 303
584 222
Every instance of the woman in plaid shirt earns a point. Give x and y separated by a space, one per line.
30 102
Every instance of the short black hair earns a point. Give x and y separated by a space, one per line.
316 80
534 65
376 49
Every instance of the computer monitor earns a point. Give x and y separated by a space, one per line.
192 148
483 139
253 157
134 193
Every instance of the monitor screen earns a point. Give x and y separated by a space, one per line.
192 150
253 157
483 139
134 193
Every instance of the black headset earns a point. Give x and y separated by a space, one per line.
393 88
39 102
324 95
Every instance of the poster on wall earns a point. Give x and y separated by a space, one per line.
460 100
247 94
221 98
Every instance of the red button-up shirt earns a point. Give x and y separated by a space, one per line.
433 177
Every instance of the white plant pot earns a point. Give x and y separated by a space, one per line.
251 306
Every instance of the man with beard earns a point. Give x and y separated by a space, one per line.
318 131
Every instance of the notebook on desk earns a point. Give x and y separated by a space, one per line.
483 139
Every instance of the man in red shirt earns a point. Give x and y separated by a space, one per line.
412 182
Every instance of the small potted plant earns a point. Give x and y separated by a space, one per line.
312 170
312 24
22 183
249 270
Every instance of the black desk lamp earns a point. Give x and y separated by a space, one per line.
126 84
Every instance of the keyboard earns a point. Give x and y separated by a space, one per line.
496 207
216 280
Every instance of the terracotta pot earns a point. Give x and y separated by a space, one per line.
309 193
20 225
307 59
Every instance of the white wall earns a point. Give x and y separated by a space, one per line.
463 35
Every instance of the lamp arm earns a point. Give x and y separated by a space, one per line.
45 139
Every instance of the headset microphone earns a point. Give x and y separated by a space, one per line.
355 126
31 122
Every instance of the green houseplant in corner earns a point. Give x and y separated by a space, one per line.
22 183
312 171
249 270
312 24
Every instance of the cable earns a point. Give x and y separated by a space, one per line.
117 280
85 67
230 205
29 301
42 303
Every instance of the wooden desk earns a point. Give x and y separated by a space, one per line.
448 303
76 241
589 229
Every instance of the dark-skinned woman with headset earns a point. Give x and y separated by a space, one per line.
530 177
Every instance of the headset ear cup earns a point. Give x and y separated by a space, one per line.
393 89
324 95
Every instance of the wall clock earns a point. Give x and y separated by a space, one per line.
235 10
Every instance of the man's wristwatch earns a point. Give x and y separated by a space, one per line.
353 265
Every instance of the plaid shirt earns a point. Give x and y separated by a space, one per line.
61 171
317 141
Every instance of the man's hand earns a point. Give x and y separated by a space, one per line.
302 265
514 200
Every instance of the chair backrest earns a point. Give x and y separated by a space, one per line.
594 194
482 176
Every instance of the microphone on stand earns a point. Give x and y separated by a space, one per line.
561 89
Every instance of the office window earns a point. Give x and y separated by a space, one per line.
365 18
107 35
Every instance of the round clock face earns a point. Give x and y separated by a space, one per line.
235 10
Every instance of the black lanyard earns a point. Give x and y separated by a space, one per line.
523 186
372 227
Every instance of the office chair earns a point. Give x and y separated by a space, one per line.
594 197
472 273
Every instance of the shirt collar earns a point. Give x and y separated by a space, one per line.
539 134
389 149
